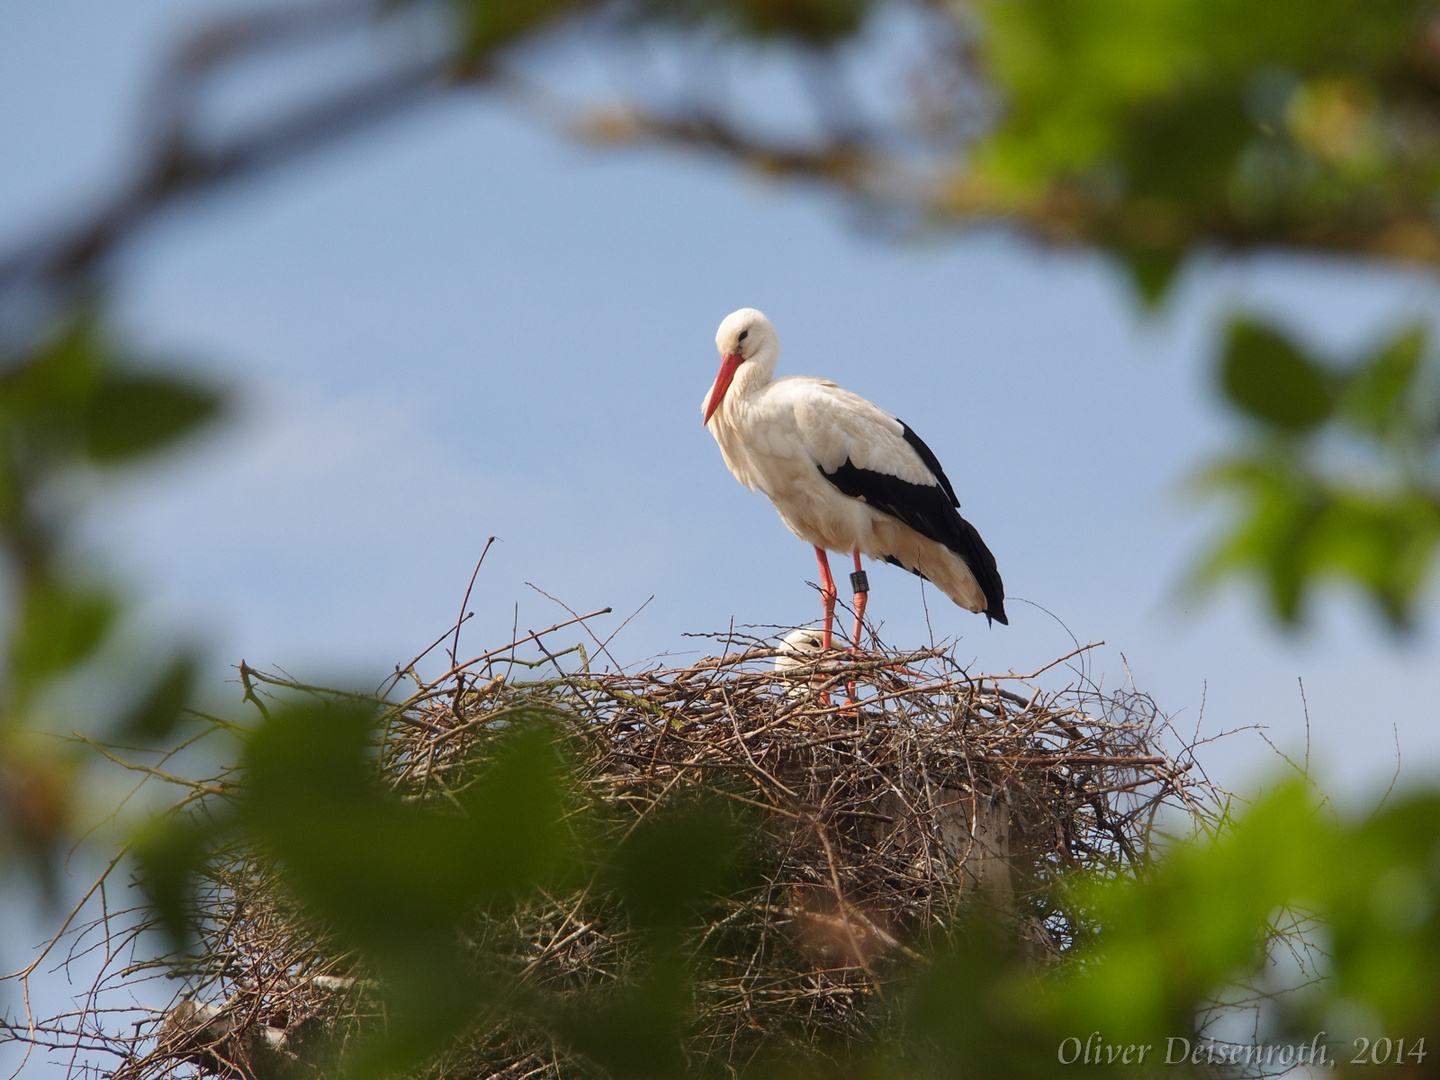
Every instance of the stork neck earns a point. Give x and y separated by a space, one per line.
753 374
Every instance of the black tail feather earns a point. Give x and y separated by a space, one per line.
965 541
982 564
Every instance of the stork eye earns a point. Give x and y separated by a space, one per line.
744 334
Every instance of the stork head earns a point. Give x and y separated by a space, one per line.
797 648
746 339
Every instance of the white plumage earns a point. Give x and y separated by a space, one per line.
845 475
797 648
800 649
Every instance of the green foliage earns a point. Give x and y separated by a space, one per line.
1155 126
1176 935
156 716
1377 399
810 23
1303 519
1211 922
487 26
47 392
168 852
72 403
133 414
1213 914
60 624
972 1008
1089 81
673 863
1152 272
634 1033
393 878
1267 377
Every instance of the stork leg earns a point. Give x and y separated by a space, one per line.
861 584
827 596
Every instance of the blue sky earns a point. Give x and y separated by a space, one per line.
463 325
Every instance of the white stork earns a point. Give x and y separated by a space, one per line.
844 475
797 648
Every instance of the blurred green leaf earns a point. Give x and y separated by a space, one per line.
1376 395
1298 525
1146 974
1178 150
61 624
1205 921
1386 543
59 377
394 877
1279 512
976 999
130 414
634 1033
42 399
1295 530
514 812
1151 272
37 802
811 21
1177 123
397 879
486 26
431 998
1267 376
169 853
159 713
1385 926
675 861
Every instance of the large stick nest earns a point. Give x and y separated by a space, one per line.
887 790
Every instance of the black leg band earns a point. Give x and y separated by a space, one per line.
859 583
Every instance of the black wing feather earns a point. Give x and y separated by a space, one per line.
931 461
929 509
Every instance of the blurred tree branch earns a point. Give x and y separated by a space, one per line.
1146 134
177 162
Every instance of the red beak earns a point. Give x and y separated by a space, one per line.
728 366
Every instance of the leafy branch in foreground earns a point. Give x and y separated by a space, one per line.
73 405
1342 477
